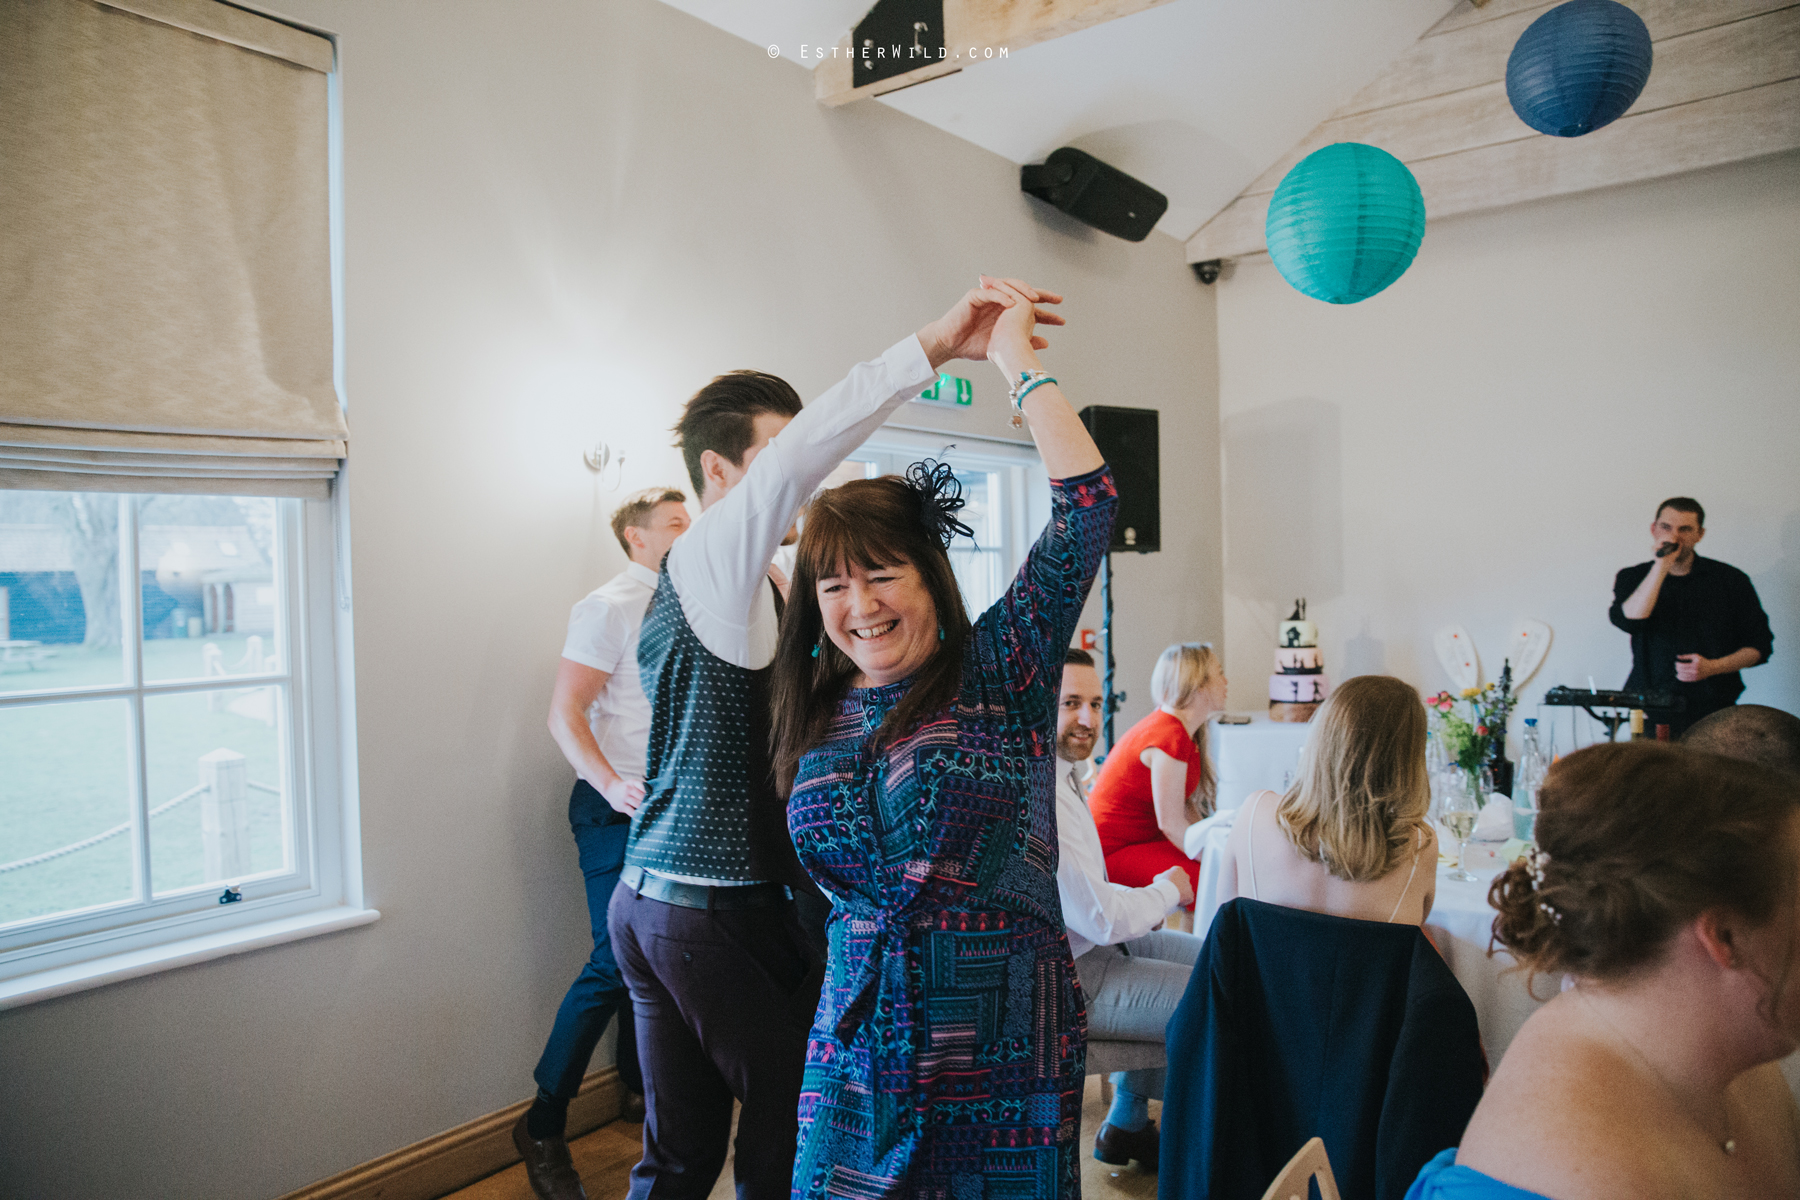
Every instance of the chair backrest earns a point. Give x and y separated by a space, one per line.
1310 1163
1298 1025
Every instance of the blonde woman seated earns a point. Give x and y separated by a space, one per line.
1156 781
1351 837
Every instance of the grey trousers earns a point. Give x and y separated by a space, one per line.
1132 992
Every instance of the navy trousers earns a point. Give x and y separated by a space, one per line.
724 1001
599 991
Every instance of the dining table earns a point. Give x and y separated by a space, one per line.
1461 926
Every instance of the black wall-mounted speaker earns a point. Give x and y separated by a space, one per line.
1128 442
1096 194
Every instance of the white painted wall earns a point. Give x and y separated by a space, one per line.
1488 439
561 218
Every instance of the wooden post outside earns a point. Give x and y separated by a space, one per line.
225 815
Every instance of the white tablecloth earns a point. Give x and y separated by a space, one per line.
1460 925
1248 758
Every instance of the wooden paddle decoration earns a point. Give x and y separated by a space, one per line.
1456 653
1529 643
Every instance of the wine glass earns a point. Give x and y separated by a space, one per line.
1459 810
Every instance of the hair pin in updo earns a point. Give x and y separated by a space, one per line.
940 499
1535 862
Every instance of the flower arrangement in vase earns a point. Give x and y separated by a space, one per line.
1473 725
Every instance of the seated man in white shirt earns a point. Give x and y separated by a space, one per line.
1132 972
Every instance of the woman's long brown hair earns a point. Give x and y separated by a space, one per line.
870 523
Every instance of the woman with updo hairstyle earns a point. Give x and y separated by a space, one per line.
1350 838
1665 890
1156 781
917 752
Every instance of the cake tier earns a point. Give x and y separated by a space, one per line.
1298 689
1299 660
1295 714
1297 633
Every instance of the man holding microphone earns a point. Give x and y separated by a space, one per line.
1695 622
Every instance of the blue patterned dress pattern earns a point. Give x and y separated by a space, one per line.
947 1057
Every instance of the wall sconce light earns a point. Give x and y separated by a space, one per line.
599 457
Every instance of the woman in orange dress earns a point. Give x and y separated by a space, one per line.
1156 781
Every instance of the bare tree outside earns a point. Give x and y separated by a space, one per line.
89 524
90 528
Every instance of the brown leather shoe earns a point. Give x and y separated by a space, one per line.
548 1166
1118 1147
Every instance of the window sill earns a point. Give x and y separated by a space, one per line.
79 977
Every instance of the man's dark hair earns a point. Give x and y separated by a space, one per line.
637 509
1077 658
721 417
1751 732
1684 504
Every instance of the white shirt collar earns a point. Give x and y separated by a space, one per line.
642 574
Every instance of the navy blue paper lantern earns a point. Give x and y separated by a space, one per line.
1578 67
1345 222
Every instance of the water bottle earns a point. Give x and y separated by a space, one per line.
1533 765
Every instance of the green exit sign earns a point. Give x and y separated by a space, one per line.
950 391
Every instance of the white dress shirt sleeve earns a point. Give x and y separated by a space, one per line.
1097 912
720 563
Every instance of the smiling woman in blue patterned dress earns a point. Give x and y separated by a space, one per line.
948 1053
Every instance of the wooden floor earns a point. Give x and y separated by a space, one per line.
605 1158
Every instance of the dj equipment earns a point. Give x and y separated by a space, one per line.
1618 704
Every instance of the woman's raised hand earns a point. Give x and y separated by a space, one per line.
1014 341
968 329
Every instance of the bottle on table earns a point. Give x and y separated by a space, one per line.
1534 764
1637 725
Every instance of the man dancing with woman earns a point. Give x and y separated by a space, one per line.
721 976
918 753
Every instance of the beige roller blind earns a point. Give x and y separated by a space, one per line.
165 280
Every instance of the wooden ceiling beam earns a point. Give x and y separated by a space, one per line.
974 31
1722 90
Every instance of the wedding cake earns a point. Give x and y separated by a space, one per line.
1299 684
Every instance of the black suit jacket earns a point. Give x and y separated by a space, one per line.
1295 1025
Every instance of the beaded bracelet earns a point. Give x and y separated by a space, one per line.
1017 393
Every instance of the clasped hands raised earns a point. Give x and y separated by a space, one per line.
995 321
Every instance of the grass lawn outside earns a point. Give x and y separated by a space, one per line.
65 776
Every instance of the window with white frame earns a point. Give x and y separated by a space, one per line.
1007 494
176 748
168 721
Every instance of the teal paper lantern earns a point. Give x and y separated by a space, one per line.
1579 67
1345 222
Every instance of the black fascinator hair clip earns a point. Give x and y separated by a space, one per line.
940 499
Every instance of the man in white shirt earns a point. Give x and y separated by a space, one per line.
1132 972
600 719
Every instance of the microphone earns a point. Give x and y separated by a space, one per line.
1666 549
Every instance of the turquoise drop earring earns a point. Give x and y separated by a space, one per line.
940 633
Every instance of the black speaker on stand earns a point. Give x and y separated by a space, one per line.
1127 438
